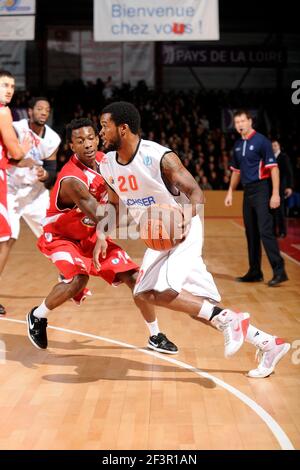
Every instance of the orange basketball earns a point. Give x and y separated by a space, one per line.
159 227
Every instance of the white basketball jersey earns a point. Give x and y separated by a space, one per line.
43 148
139 183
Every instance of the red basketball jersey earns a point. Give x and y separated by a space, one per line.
72 223
3 151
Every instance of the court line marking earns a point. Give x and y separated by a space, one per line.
290 258
281 252
273 426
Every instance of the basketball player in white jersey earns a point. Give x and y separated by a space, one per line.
28 196
141 173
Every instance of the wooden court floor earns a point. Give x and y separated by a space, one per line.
98 387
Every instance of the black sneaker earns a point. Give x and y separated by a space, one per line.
249 277
36 330
2 310
161 344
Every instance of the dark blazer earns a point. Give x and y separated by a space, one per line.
285 170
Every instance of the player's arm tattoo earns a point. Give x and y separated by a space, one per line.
175 173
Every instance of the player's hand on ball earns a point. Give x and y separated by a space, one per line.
162 227
99 250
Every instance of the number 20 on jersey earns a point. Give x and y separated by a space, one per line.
127 184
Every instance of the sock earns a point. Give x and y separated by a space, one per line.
208 311
153 327
41 311
259 338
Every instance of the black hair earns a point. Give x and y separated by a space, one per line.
123 112
6 73
239 112
34 101
77 124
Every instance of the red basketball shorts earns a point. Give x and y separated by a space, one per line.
76 257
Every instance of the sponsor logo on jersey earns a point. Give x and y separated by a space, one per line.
48 236
35 154
145 201
147 160
111 180
251 147
115 261
87 221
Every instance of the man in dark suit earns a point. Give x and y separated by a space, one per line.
285 188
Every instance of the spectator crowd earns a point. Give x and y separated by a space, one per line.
190 123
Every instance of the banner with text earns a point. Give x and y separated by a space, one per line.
156 20
17 28
17 7
192 55
17 20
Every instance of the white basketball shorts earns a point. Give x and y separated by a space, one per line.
178 269
32 209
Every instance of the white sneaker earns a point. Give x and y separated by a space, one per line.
234 326
269 359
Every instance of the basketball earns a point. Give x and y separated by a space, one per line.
159 227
